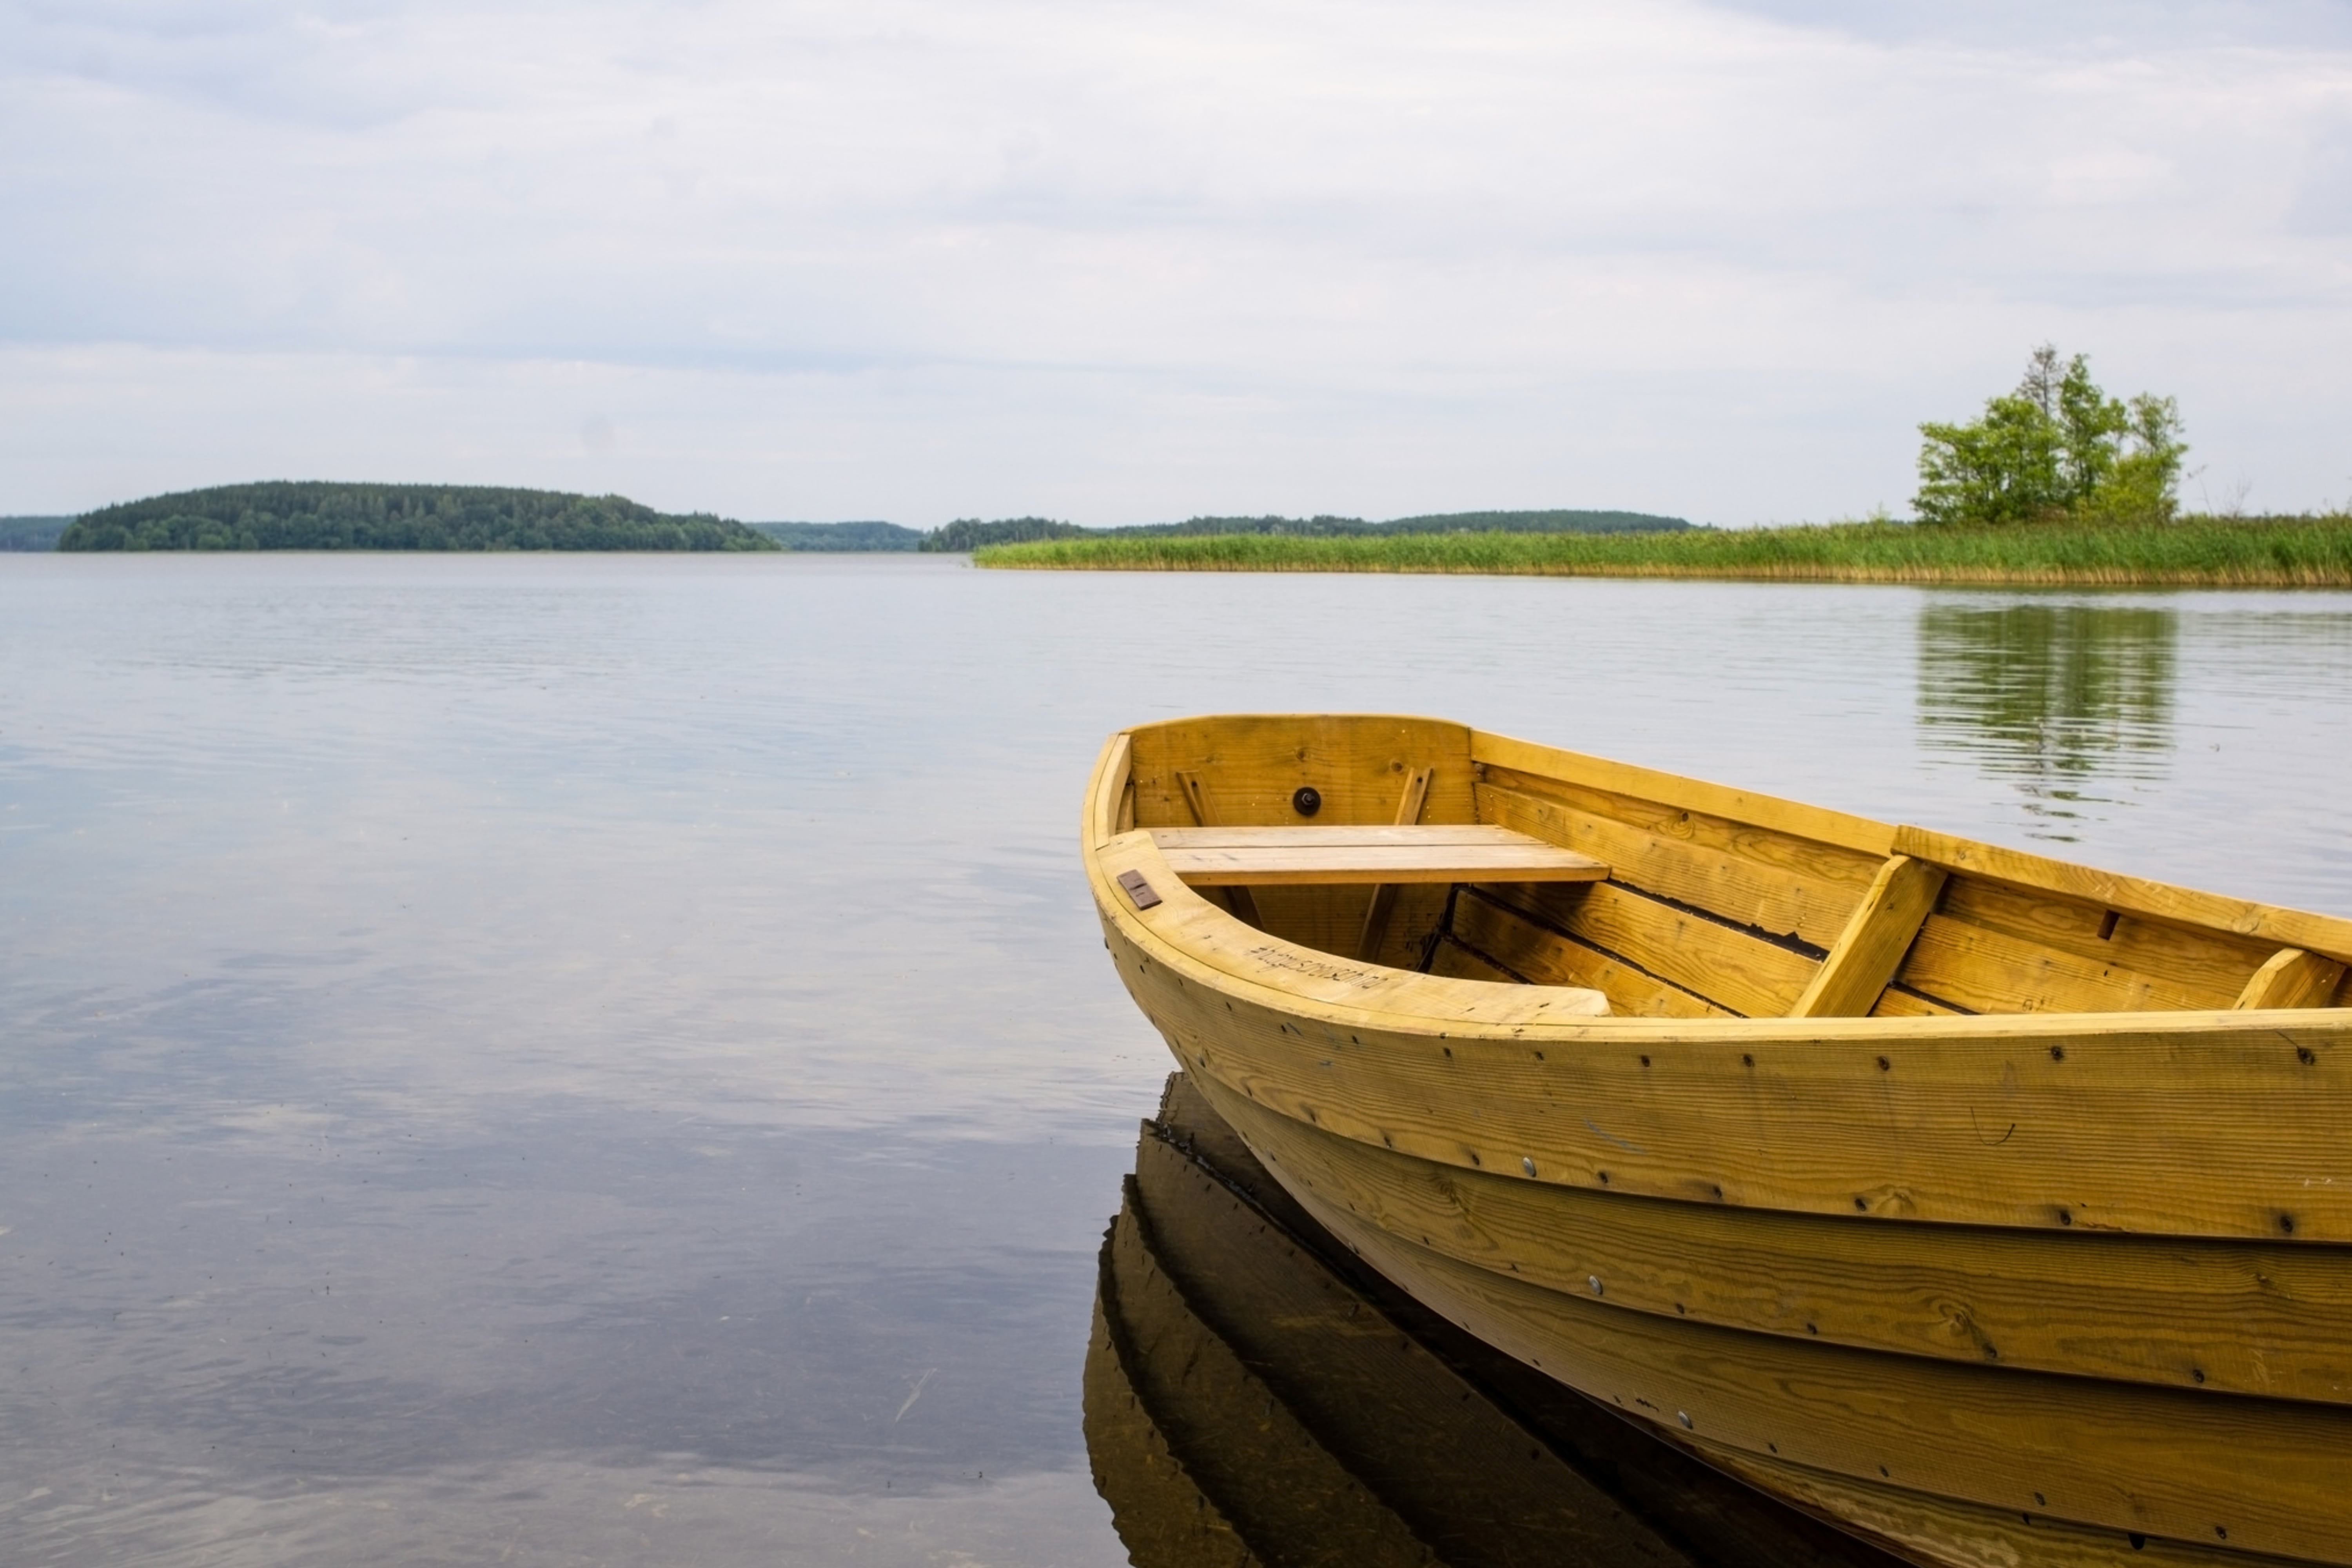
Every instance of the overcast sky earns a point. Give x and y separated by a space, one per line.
1125 260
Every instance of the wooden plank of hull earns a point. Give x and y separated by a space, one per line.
2225 1317
1254 762
1454 961
1770 881
1987 970
1937 1530
2179 906
2179 1465
2222 1124
1741 972
1871 841
1543 957
1896 1003
1110 794
2203 968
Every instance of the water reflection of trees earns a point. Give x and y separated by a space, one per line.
2064 701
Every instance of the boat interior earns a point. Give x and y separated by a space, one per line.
1426 846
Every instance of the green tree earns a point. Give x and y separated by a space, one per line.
2004 468
2056 448
2143 483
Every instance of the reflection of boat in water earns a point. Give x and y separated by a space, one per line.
1254 1395
1995 1207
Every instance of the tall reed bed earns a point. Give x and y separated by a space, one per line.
2198 552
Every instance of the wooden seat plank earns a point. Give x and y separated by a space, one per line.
1457 834
1274 857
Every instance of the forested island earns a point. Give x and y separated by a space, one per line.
284 515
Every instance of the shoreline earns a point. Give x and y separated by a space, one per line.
2195 553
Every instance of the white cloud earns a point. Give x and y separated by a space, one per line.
1126 261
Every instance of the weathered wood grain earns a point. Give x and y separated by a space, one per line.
1370 836
1202 804
1737 972
1767 880
1110 793
1381 906
1871 842
2226 1318
2291 978
2179 906
1870 948
2208 968
1987 970
1544 957
2103 1455
1254 763
1894 1004
1238 860
1947 1534
1453 960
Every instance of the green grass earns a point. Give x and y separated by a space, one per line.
2199 551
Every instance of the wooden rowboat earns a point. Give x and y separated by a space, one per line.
1996 1208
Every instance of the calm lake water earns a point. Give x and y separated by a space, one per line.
558 1061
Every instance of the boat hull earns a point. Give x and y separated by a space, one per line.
2050 1286
1863 1434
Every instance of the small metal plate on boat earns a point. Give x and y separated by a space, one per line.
1138 890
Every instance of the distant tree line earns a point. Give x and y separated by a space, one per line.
31 533
325 516
333 516
836 537
972 533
